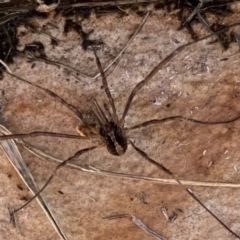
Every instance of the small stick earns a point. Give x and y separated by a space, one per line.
116 216
169 218
93 170
146 229
6 66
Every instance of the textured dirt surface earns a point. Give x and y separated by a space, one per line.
195 84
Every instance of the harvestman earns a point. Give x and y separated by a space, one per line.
110 130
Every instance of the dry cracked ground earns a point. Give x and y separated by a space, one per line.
194 84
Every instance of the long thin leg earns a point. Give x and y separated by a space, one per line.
98 112
104 80
188 190
37 134
54 95
156 121
106 88
77 154
141 84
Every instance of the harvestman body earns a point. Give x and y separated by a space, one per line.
111 131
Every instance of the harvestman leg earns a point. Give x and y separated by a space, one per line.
145 81
157 121
54 95
137 88
188 190
154 121
51 134
60 165
106 88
